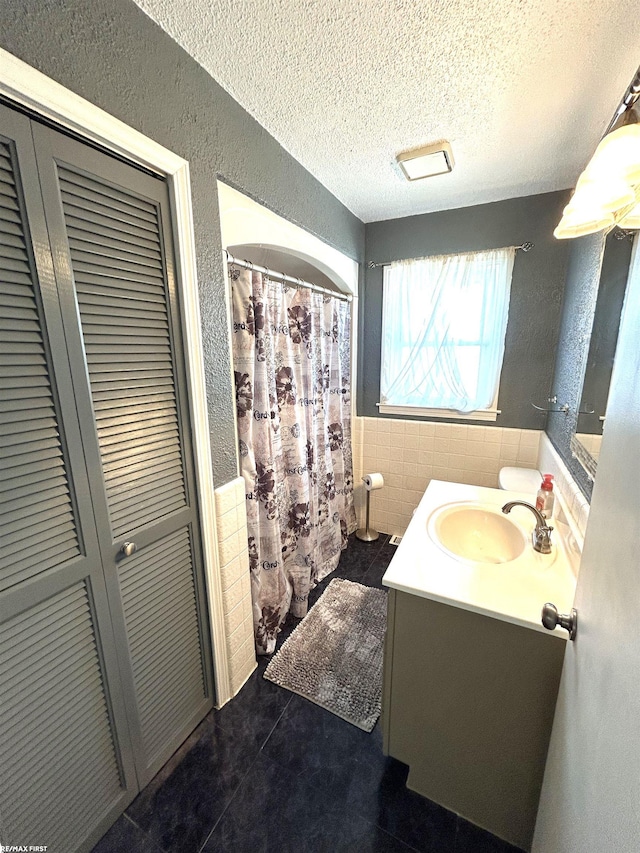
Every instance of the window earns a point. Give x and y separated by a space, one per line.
444 321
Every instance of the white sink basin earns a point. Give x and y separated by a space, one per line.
461 549
476 533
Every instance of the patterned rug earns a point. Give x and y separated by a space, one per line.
334 656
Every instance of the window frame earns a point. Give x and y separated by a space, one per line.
489 414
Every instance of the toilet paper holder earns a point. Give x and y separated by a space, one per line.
372 482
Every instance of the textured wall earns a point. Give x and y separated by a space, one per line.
536 291
114 56
581 291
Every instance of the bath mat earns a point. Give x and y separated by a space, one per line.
334 656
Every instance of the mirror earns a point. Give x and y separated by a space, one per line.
585 444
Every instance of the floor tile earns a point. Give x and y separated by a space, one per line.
257 708
372 575
387 552
472 839
179 811
273 773
373 786
289 815
359 555
353 834
423 825
124 835
356 571
375 573
308 739
348 766
272 811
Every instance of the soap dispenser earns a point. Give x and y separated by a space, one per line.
545 498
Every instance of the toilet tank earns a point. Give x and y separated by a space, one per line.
520 479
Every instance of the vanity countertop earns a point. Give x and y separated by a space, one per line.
512 591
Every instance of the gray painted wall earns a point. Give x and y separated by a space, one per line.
114 56
536 292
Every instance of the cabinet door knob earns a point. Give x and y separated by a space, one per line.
128 549
551 618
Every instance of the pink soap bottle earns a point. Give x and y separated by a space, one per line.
545 498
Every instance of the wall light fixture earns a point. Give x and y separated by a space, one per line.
608 191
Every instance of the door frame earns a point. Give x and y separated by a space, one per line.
24 85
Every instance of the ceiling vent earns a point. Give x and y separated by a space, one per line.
436 159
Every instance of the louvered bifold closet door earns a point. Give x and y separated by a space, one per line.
111 227
66 763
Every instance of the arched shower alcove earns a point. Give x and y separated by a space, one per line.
252 233
287 261
250 226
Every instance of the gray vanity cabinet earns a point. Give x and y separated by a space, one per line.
468 704
104 661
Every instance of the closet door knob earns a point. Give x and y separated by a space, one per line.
128 549
551 618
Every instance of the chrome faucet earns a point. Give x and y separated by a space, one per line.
542 532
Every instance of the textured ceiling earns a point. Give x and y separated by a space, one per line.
522 89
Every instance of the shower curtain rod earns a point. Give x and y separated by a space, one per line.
525 247
298 282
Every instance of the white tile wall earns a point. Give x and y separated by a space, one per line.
357 431
591 443
231 523
409 454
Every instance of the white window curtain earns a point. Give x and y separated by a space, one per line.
443 330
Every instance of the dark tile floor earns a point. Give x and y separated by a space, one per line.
273 773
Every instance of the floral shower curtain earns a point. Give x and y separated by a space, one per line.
291 353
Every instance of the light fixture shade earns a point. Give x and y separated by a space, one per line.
632 219
608 191
579 223
602 192
426 162
617 156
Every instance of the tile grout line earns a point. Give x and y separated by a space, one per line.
231 798
144 832
379 548
395 838
276 724
240 783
